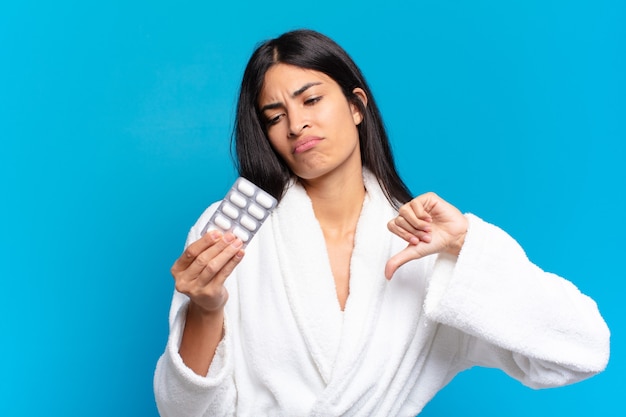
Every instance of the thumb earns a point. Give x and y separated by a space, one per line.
409 253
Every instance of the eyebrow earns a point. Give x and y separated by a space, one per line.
295 94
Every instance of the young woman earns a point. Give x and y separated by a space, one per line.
304 322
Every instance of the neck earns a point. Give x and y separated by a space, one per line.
337 201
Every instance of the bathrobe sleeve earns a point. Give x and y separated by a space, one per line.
534 325
178 390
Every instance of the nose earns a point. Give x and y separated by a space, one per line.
297 124
297 130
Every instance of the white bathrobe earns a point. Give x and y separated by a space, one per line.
289 350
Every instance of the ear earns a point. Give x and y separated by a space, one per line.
357 116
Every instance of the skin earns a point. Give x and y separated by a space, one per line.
306 109
313 127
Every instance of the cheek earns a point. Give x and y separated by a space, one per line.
280 146
343 118
330 115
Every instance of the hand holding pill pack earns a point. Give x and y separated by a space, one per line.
242 211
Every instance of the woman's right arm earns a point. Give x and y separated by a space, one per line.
200 274
183 384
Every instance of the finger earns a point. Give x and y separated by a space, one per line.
410 218
415 215
216 258
421 207
428 201
228 269
204 263
412 224
406 231
409 253
194 250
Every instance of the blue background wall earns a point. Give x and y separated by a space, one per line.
114 135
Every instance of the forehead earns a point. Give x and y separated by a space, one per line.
283 79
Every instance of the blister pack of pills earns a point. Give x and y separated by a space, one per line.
242 211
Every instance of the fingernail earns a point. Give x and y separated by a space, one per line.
214 234
237 243
229 237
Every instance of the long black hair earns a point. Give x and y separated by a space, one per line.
308 49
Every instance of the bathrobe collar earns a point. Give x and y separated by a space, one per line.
334 338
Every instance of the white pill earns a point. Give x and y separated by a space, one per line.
265 200
256 211
222 222
245 187
248 222
230 210
241 234
238 199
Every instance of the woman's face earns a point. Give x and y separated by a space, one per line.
310 122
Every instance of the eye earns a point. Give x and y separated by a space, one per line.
312 100
272 120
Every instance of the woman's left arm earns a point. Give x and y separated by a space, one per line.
536 326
